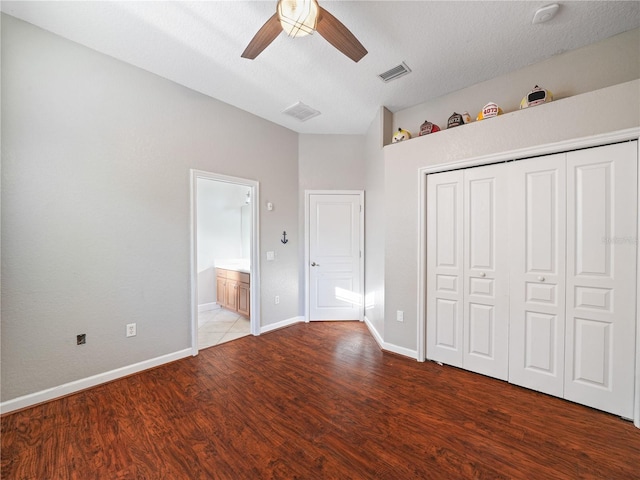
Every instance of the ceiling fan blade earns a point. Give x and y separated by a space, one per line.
267 34
339 36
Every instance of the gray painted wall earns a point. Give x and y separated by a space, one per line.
615 108
95 207
603 64
327 162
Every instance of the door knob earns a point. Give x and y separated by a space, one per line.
541 279
314 264
482 275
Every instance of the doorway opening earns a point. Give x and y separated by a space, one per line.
224 259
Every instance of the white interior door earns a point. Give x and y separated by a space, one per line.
486 272
445 283
335 256
537 226
601 277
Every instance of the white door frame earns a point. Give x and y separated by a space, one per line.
307 272
254 317
557 147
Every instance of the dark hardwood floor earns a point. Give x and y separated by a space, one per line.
314 401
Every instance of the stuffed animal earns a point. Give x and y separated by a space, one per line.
400 136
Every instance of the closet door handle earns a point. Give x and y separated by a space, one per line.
541 279
482 275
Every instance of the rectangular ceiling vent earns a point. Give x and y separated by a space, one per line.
301 112
395 72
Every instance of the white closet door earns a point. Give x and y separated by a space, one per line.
444 267
537 226
486 272
601 277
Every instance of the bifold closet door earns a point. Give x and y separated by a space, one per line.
486 271
537 227
601 277
467 270
445 267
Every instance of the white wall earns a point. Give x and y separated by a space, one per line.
606 110
610 62
221 234
95 207
327 162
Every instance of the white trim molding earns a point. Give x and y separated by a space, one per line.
284 323
206 307
374 333
255 249
85 383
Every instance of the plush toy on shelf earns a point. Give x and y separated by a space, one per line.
427 127
400 136
490 110
537 96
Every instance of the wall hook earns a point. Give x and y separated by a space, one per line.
284 237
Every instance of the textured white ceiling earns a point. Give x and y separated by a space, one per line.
448 45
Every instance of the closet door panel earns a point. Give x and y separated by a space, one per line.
444 267
537 226
601 277
486 271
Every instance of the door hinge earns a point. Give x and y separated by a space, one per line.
360 208
360 253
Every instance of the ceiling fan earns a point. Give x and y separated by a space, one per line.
303 17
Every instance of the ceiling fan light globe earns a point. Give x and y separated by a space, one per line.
298 17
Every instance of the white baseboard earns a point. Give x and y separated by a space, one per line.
205 307
376 335
283 323
406 352
389 347
84 383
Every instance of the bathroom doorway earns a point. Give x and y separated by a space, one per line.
224 258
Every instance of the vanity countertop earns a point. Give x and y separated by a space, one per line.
236 266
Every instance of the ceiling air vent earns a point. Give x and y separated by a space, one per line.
301 112
395 72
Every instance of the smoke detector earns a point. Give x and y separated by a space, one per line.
545 14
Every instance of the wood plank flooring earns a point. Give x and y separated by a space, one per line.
314 401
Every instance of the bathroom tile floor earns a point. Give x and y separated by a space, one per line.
219 326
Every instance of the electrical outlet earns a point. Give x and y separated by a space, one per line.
131 330
400 316
277 299
81 339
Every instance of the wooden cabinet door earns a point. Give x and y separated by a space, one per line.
221 291
232 294
244 299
